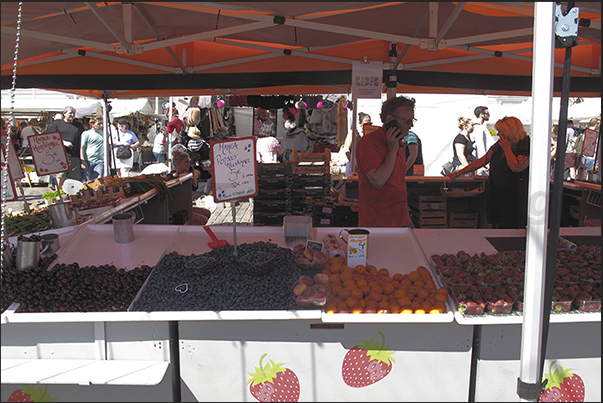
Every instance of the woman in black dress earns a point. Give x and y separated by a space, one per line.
509 159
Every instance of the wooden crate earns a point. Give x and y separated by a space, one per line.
297 157
463 220
425 222
428 203
311 169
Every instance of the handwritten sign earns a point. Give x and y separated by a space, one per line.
9 194
48 153
234 169
589 145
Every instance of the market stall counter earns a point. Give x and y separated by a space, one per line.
298 354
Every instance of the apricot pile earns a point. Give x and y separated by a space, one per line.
366 289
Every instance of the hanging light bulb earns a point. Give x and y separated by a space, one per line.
220 103
319 104
301 104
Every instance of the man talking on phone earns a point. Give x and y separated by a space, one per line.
381 161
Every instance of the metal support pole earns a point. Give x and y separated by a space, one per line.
175 360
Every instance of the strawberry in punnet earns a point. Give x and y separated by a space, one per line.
562 386
366 363
31 393
273 383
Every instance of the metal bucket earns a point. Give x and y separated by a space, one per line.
28 254
61 215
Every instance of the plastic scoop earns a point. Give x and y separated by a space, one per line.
215 243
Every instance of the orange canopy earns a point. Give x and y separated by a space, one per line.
142 49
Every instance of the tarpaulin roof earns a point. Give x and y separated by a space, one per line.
139 49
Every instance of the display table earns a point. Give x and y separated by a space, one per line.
212 353
581 204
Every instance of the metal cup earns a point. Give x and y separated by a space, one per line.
123 227
28 254
50 244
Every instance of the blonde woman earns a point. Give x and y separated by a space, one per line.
463 147
509 159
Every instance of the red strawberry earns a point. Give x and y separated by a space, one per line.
272 383
366 363
31 393
562 386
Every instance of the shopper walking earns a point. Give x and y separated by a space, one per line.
92 151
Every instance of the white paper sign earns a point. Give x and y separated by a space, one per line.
367 79
10 194
234 169
14 166
48 153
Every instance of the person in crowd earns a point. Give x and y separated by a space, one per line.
483 138
71 133
572 141
182 166
363 119
414 151
32 127
509 159
267 146
382 167
160 145
92 150
295 136
124 137
554 131
595 125
463 146
15 137
4 133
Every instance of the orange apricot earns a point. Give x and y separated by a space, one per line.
344 293
351 301
356 309
383 272
388 288
423 293
398 277
413 276
394 308
375 295
420 311
413 289
399 293
404 301
366 290
440 297
357 292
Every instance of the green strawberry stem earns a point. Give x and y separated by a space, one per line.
377 351
265 373
557 377
36 393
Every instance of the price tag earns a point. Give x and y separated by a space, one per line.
317 246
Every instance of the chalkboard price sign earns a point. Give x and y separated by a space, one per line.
234 169
48 153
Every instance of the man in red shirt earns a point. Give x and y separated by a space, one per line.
381 161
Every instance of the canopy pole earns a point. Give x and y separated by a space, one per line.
535 306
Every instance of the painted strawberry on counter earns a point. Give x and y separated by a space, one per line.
562 386
366 363
273 383
31 393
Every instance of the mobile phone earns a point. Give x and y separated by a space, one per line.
392 123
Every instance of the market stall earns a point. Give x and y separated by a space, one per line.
216 352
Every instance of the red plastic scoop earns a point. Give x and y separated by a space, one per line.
215 243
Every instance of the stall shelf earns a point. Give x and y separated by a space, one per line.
218 351
574 339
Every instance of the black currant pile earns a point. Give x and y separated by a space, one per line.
70 288
260 277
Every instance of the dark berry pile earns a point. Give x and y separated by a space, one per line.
69 288
260 277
